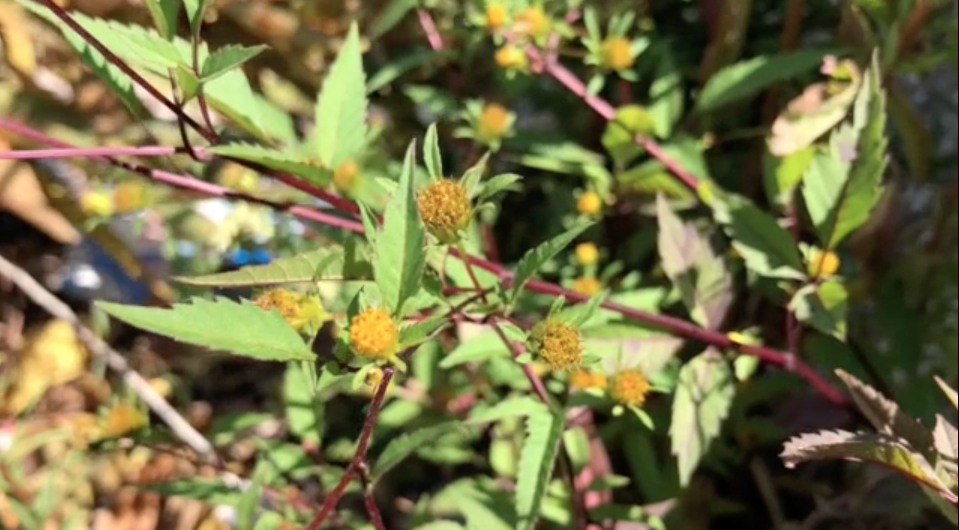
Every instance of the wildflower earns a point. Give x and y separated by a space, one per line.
586 379
531 21
589 203
823 264
373 334
557 344
297 309
587 254
617 53
444 207
510 57
96 203
586 285
629 387
495 15
344 177
128 196
494 121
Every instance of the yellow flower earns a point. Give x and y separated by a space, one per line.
344 177
587 254
822 264
589 203
584 379
587 285
495 15
493 122
96 203
444 207
128 196
557 344
373 334
297 309
629 387
531 21
510 57
617 53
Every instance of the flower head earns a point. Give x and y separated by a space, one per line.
373 334
344 177
298 309
444 207
557 344
589 203
587 285
128 196
617 53
493 122
495 15
584 379
531 21
629 387
510 57
96 203
587 254
823 263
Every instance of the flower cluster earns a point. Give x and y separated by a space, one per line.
557 344
373 334
444 207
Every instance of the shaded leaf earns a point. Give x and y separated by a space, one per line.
619 138
666 96
537 257
781 176
212 490
508 408
275 159
164 14
747 78
432 157
221 324
304 413
400 244
946 439
537 457
194 12
767 248
702 401
949 391
341 106
404 445
228 58
822 305
477 349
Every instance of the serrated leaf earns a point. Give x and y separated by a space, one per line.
341 106
194 12
326 263
228 58
537 257
511 407
400 244
823 305
498 183
277 160
221 324
781 176
404 445
946 439
422 330
697 271
811 114
844 182
877 448
767 248
432 157
749 77
887 416
537 457
703 397
164 14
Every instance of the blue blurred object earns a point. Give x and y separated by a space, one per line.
91 273
243 256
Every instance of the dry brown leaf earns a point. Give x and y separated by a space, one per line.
51 356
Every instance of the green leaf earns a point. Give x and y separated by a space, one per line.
422 330
432 157
781 176
498 183
212 490
404 445
164 14
341 106
277 160
508 408
392 70
537 257
440 525
304 414
537 457
750 77
228 58
666 96
823 305
948 391
696 270
188 82
767 248
702 401
650 178
400 244
194 12
844 181
477 349
877 448
222 324
619 138
325 263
